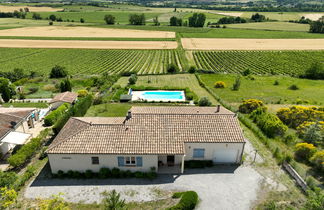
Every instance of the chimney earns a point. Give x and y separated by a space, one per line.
129 115
217 108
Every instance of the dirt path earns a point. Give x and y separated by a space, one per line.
252 44
61 31
20 43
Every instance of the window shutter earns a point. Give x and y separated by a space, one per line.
121 161
139 161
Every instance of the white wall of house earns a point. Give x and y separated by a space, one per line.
218 152
23 127
83 162
6 147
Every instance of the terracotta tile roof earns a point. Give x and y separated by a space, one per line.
68 97
146 133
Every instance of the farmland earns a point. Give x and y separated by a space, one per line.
263 88
272 26
91 61
259 62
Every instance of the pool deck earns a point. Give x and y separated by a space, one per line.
138 96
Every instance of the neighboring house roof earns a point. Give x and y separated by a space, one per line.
68 97
10 117
158 130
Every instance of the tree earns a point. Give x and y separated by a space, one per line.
7 197
174 21
65 85
113 201
82 20
197 20
36 16
204 101
237 84
52 17
156 21
110 20
58 72
316 71
317 26
258 17
136 19
192 69
6 89
172 68
132 79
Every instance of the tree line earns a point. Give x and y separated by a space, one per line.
196 20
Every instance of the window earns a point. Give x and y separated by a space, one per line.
130 161
199 153
95 160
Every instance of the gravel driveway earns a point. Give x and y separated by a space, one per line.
220 187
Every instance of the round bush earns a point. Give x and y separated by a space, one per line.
219 84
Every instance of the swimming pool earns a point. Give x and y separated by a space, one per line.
158 95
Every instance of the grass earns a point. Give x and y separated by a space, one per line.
25 104
177 80
272 26
262 88
108 110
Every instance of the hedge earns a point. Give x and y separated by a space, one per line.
79 109
50 119
28 150
188 201
106 173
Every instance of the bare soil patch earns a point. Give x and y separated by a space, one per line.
61 31
252 44
4 8
314 16
19 43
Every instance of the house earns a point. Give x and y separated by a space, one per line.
159 137
66 97
14 126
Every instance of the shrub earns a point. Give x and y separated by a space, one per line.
113 201
172 68
132 79
250 105
276 82
318 160
82 93
304 151
297 115
88 174
192 69
7 178
115 172
293 87
204 101
104 173
49 87
246 72
237 84
219 84
188 201
50 119
269 123
58 72
65 85
316 71
32 90
109 19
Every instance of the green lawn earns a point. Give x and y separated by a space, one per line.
272 26
108 110
262 88
177 80
26 104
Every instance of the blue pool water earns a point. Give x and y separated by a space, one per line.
163 95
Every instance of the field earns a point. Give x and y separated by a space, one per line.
258 62
252 44
179 80
272 26
59 31
4 8
87 44
263 88
79 61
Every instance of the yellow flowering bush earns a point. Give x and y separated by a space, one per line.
219 84
304 151
250 105
297 115
302 127
82 93
318 160
7 197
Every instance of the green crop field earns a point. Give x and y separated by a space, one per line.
92 61
259 62
263 88
272 26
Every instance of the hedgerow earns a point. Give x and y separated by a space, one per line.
50 119
188 201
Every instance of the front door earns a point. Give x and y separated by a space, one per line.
170 160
